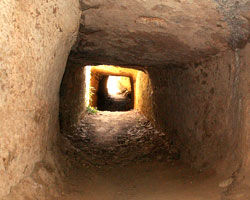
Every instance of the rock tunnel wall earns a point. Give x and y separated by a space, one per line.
143 95
72 95
200 105
243 176
94 87
35 40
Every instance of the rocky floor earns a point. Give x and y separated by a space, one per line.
118 138
120 156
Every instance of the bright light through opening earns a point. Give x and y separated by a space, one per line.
113 85
87 84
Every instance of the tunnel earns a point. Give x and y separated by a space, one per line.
115 93
115 100
107 90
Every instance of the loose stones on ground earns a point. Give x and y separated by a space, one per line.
140 143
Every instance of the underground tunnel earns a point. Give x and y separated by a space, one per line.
106 90
115 94
175 126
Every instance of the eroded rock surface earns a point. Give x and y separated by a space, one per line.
35 40
155 32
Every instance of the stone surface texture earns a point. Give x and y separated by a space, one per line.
35 40
198 104
156 32
195 84
241 182
144 96
205 108
72 97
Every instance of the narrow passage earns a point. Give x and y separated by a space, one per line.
120 156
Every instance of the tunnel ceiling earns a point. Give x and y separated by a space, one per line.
159 32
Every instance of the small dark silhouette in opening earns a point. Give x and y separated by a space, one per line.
115 93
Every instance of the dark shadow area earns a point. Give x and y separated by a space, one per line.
102 94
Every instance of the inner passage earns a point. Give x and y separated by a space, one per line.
110 88
115 93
